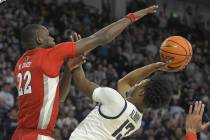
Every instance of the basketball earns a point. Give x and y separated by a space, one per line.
178 49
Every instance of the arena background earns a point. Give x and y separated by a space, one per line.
136 47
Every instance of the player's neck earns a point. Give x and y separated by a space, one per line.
139 105
29 47
44 46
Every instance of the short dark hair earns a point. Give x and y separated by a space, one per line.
29 33
158 92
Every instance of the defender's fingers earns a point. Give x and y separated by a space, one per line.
71 38
199 106
190 109
76 37
79 36
202 109
195 111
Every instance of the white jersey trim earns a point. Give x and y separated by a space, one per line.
115 117
42 137
50 87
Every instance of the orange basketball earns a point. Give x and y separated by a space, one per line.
178 49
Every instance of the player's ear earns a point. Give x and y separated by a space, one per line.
141 92
39 40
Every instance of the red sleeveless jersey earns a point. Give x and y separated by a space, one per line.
37 81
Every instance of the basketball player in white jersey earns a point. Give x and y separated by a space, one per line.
119 113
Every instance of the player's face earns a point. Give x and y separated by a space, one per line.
47 40
139 89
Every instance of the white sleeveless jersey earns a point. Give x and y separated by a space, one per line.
97 126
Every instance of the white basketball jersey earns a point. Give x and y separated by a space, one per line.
97 126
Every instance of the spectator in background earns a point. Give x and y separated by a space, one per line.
65 133
6 97
10 123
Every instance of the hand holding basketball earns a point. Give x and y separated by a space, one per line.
164 66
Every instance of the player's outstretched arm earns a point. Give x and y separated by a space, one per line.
107 34
64 50
194 121
82 83
136 76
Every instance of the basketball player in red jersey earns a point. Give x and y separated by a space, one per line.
194 121
37 73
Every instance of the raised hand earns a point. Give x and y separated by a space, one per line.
163 66
146 11
151 9
194 118
75 37
75 62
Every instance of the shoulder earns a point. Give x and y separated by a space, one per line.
105 90
107 95
65 44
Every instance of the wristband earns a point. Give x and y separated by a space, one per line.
132 17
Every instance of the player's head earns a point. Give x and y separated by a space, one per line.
35 35
153 93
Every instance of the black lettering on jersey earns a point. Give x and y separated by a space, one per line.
135 116
129 127
120 128
126 125
26 58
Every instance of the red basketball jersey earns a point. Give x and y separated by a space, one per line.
37 81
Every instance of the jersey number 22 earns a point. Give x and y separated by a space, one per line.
24 89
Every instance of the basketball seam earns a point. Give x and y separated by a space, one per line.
190 52
188 47
184 61
184 49
179 45
174 67
173 53
180 61
179 65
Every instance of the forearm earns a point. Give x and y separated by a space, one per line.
65 84
103 36
113 30
139 74
110 32
82 83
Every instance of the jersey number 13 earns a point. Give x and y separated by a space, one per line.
127 125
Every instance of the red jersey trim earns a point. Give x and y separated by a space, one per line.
191 136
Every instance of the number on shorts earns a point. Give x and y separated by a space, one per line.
27 87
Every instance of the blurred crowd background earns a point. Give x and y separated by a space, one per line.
137 46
